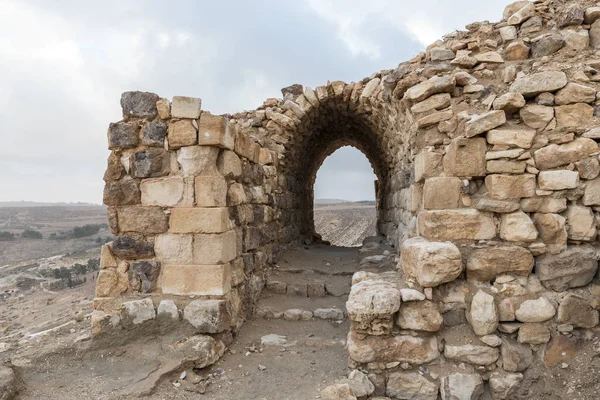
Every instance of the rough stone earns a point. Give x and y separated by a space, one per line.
371 305
552 230
201 280
544 205
136 312
207 316
441 193
461 386
538 310
139 104
522 15
215 131
512 136
151 163
540 82
463 224
198 160
534 333
434 85
154 134
503 386
465 157
558 180
487 264
142 219
143 275
411 386
483 314
578 115
428 164
536 116
517 227
575 93
479 124
572 268
472 354
576 311
505 187
547 45
182 133
123 192
581 223
186 107
401 348
431 263
211 191
123 135
420 316
555 155
515 356
516 51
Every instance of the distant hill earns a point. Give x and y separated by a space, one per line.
41 204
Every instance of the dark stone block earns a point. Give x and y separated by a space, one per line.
123 135
154 134
143 275
132 247
151 163
123 192
292 92
139 104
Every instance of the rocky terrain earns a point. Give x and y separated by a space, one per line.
345 224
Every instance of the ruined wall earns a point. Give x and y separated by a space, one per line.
486 153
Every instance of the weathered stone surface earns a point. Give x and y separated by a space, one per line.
552 230
413 350
411 295
371 306
588 168
536 116
581 223
428 164
505 187
515 356
576 40
544 205
123 135
182 133
522 15
430 87
534 84
411 386
512 136
512 8
151 163
577 115
110 283
207 316
483 315
137 312
517 51
461 386
441 193
534 333
508 33
174 249
206 280
467 224
132 246
572 268
506 167
487 264
465 157
517 227
554 155
212 249
163 192
200 220
229 164
124 192
472 354
503 386
497 206
420 316
547 45
154 134
198 160
591 15
558 180
479 124
575 93
201 350
143 275
167 313
186 107
436 102
538 310
215 131
571 15
509 102
142 219
139 104
576 311
431 263
211 191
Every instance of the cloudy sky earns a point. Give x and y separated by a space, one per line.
66 62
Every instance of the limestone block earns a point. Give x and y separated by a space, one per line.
107 259
581 223
215 130
436 102
163 106
420 316
463 224
486 264
200 220
536 116
576 311
123 192
472 354
441 53
174 249
142 219
154 134
538 310
338 391
167 312
198 160
465 157
546 45
461 386
151 163
428 164
483 314
503 386
534 333
591 196
184 280
553 231
517 227
576 40
163 192
431 263
517 51
110 283
558 180
574 267
411 385
555 155
512 136
588 168
137 312
522 15
211 191
430 87
434 119
575 93
402 348
508 33
371 306
516 357
208 316
544 205
182 133
497 206
540 82
504 187
123 135
186 107
512 8
139 104
574 116
209 249
505 167
246 147
479 124
441 193
236 195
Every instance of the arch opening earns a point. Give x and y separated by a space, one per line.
344 208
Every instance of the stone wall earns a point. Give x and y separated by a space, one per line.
486 152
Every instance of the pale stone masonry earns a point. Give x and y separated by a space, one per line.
486 153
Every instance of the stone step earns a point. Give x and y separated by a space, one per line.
277 306
277 340
308 284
